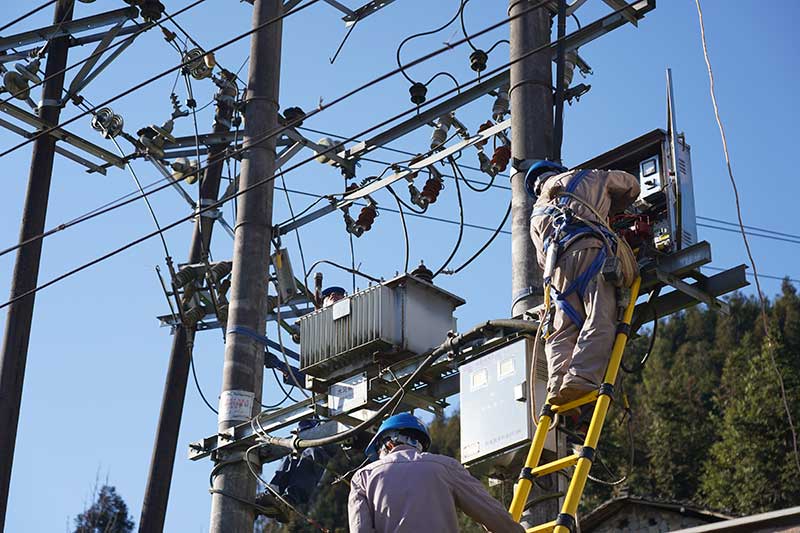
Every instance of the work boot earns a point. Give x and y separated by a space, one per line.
570 392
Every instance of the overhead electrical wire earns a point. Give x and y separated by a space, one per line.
403 223
158 76
268 179
460 221
26 15
143 28
422 34
761 298
291 124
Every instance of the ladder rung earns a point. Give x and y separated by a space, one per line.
555 466
583 400
542 528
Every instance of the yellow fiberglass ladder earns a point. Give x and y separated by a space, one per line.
582 461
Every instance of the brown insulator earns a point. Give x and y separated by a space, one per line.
431 189
422 272
367 217
501 157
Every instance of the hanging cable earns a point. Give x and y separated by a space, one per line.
422 34
761 298
484 247
463 26
197 382
405 228
460 224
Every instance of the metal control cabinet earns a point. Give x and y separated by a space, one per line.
496 405
402 316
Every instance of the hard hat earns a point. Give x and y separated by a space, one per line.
333 290
399 422
532 184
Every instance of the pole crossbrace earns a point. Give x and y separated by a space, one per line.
582 461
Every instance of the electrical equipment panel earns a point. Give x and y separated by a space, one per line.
402 317
663 217
496 424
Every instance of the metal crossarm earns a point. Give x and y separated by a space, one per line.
582 461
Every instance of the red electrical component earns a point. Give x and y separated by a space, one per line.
431 189
485 125
367 217
635 229
501 157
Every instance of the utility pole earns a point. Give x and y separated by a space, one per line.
242 376
26 267
156 496
531 97
531 139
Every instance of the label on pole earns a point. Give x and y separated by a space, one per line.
236 405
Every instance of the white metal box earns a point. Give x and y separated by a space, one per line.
496 405
402 316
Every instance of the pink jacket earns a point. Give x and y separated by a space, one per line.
411 492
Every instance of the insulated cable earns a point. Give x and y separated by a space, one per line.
761 298
403 223
422 34
486 245
460 223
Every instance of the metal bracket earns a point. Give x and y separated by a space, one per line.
693 291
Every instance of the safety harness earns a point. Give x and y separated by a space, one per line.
568 228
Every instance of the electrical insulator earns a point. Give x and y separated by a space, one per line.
177 112
195 64
570 60
108 123
151 10
439 135
294 116
322 157
210 60
432 188
486 125
220 269
418 92
194 315
16 85
184 169
30 71
501 157
422 272
477 60
500 107
367 217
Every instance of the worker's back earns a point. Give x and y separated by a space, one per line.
409 491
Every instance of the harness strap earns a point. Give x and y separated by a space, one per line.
579 286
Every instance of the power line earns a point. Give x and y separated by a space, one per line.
142 29
28 14
150 80
770 353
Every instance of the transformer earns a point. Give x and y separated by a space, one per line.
395 319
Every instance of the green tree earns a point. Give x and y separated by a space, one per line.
108 513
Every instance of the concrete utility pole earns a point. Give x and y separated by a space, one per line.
26 268
531 97
244 358
156 496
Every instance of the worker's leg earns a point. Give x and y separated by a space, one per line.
596 338
561 343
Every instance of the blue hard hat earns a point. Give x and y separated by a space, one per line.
536 170
333 290
399 422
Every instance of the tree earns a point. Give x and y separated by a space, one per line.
108 513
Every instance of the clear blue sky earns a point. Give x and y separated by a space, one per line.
97 357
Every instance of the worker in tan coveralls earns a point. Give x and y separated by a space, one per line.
572 239
409 491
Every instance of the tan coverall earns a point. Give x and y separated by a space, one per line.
577 357
410 492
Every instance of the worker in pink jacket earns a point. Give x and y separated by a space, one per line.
407 490
569 227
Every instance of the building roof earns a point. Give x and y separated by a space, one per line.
770 521
611 507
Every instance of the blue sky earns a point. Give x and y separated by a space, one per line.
97 357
